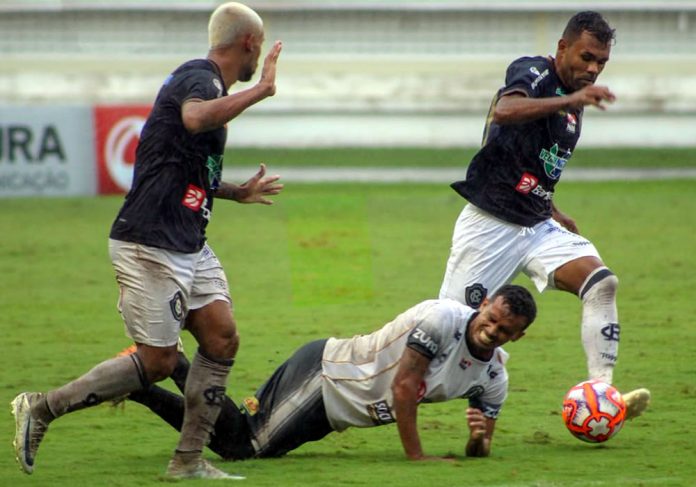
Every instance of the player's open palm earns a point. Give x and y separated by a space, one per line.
268 73
258 187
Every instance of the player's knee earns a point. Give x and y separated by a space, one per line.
602 282
223 345
159 364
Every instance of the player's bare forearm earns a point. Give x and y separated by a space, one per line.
518 108
201 116
412 369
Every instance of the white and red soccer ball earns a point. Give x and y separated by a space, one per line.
593 411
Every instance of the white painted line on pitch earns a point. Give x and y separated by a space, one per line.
447 175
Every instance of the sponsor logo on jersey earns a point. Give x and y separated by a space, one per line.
572 124
193 198
527 183
380 413
560 91
539 78
176 305
214 165
553 162
475 294
530 184
534 70
421 338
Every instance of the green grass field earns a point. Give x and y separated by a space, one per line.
340 260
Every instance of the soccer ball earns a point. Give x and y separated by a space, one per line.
593 411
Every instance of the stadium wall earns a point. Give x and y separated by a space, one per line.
363 72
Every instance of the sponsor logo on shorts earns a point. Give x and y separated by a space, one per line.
475 294
194 198
176 304
380 413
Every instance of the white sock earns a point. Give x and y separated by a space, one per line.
600 323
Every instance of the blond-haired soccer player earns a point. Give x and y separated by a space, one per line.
169 278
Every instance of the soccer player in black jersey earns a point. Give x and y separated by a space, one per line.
169 278
511 224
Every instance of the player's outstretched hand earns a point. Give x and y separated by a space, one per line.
594 95
258 187
268 73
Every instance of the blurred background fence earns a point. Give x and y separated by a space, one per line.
356 72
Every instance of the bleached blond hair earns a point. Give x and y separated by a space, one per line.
231 20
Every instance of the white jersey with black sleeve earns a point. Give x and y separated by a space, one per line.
358 372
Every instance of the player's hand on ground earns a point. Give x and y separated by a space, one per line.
594 95
433 458
268 73
258 187
477 423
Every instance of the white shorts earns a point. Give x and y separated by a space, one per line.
488 253
158 287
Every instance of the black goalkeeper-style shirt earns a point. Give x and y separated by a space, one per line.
170 201
514 174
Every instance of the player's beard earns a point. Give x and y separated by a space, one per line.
247 72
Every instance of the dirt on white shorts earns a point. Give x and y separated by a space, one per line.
158 288
488 253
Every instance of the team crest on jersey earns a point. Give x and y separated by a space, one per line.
475 294
214 165
572 123
553 161
465 363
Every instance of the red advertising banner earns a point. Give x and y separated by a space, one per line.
117 132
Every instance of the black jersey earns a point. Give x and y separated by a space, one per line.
514 174
171 199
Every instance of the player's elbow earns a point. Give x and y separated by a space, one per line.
503 115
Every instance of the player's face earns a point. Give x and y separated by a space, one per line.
496 325
252 61
580 62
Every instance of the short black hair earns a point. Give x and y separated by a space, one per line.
518 300
592 22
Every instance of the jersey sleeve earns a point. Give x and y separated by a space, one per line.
429 335
198 84
495 393
526 75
